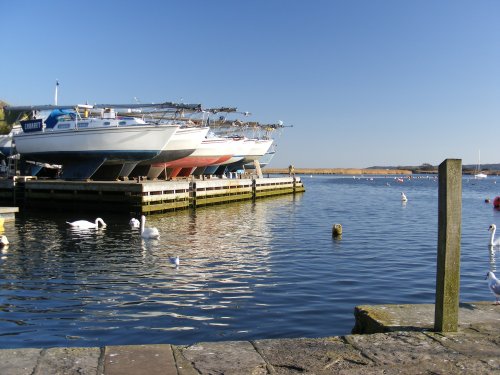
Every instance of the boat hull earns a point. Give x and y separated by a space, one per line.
210 151
82 152
256 152
183 143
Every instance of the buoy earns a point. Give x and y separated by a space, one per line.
337 230
496 202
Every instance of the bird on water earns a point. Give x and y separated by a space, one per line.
493 241
403 197
4 241
148 232
494 285
84 224
175 261
134 223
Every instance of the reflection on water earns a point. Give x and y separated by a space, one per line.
247 270
493 267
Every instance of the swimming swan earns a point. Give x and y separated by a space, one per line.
403 197
148 232
4 241
134 223
493 242
84 224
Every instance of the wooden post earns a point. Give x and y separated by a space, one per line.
448 252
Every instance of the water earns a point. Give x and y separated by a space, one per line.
268 269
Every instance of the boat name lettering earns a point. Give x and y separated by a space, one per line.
32 125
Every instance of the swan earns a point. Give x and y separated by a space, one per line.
175 261
84 224
493 242
148 232
4 241
493 285
403 197
134 223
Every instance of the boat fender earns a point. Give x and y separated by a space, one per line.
496 202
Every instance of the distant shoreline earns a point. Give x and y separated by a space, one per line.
354 171
361 171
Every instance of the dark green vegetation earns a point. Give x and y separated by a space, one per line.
4 127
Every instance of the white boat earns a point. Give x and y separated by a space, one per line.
240 147
259 149
182 144
264 160
82 145
210 151
479 174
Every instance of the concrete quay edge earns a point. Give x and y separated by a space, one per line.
474 349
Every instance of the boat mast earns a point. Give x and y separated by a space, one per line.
55 95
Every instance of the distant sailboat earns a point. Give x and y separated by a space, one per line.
479 174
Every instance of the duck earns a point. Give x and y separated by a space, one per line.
4 241
494 285
84 224
403 197
148 232
493 229
134 223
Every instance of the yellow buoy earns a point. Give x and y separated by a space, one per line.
337 230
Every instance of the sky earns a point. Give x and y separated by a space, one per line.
363 82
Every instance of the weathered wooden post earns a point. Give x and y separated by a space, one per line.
448 254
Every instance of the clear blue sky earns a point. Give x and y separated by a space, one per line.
364 82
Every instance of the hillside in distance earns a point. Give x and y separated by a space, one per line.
466 168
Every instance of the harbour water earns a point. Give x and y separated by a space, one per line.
268 269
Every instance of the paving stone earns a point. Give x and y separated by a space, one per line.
184 367
69 361
229 358
318 356
139 359
476 345
419 317
415 350
18 361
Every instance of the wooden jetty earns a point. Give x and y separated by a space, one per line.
140 196
8 213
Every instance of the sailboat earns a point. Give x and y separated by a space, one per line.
479 174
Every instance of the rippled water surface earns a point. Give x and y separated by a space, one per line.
268 269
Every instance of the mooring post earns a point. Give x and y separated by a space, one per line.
192 193
448 252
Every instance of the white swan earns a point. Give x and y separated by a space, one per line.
493 242
148 232
84 224
493 285
134 223
4 241
403 197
